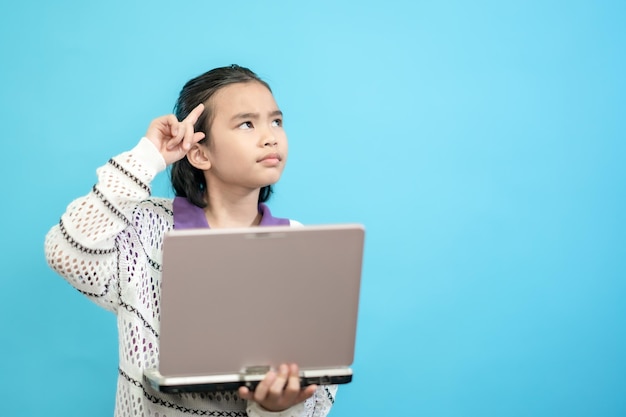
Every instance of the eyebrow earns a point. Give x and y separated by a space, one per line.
255 115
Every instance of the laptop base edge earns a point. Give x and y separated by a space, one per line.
175 385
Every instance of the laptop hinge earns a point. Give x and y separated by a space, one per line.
256 370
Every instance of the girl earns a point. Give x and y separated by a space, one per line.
226 147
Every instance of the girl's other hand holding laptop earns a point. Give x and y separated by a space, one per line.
279 390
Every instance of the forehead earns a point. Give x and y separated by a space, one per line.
248 97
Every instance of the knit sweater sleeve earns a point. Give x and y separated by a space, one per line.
81 247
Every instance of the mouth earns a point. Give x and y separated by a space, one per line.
271 157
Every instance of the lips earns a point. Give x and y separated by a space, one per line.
270 156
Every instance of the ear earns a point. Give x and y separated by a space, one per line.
198 157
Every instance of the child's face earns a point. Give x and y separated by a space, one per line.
247 144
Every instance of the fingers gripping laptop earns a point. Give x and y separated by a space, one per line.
236 303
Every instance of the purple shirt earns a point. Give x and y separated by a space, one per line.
190 216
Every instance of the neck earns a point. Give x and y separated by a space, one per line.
232 210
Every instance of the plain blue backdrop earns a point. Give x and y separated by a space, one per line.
481 143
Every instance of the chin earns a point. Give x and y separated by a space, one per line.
271 181
268 183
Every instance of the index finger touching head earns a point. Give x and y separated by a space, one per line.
195 114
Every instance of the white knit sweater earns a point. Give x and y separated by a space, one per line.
108 246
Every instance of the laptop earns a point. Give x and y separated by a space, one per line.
236 303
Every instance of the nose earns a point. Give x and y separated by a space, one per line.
270 142
268 139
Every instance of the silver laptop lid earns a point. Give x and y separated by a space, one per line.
236 299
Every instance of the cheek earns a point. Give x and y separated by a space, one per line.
285 152
225 146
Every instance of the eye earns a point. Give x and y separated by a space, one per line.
277 122
246 125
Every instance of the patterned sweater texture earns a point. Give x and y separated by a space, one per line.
108 246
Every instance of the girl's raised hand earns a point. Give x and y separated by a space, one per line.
173 138
279 390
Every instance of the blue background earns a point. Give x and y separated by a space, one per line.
481 143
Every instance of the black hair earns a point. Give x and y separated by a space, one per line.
187 180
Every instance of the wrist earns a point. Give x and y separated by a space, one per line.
255 409
149 155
